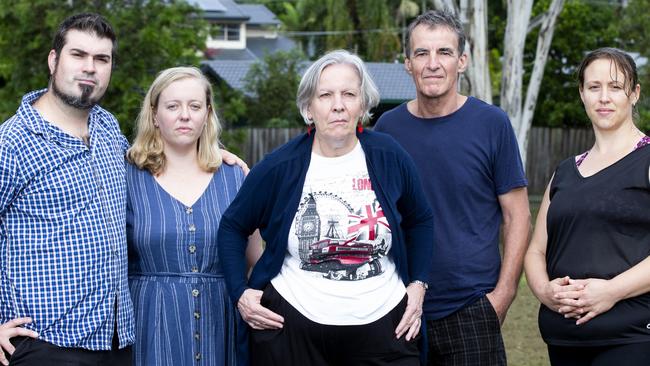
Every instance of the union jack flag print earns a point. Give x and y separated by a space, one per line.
368 222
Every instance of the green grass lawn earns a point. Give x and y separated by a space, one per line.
524 344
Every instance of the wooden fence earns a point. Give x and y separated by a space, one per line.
262 141
546 148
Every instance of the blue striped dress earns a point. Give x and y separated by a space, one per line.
182 311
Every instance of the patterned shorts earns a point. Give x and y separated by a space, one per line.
469 337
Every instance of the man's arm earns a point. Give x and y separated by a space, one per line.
516 231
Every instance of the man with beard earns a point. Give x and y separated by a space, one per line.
468 160
63 263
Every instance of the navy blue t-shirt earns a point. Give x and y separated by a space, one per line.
465 161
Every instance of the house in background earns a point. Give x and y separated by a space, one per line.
244 31
394 83
248 31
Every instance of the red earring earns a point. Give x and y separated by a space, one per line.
359 127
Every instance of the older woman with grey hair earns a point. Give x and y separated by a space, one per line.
348 235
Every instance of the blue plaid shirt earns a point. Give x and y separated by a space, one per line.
63 258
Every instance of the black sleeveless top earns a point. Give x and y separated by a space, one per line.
599 227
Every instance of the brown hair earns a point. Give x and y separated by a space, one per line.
87 23
620 60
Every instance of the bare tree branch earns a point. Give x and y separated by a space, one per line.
479 69
513 61
535 22
541 55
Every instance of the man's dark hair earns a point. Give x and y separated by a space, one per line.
620 61
85 22
433 19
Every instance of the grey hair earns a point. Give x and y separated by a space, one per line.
311 77
433 19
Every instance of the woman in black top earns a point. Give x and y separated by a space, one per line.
588 259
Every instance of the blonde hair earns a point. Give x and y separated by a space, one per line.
147 149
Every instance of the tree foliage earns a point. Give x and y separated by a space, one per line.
582 26
636 27
559 103
271 85
364 26
230 105
152 35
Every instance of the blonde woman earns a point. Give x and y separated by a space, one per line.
177 191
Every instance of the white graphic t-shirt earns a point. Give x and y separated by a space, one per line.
337 270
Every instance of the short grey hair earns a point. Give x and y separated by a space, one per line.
433 19
311 77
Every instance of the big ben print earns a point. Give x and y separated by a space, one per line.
308 228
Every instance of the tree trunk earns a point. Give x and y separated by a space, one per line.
445 4
463 10
478 71
541 55
512 74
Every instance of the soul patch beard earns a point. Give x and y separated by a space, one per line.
84 101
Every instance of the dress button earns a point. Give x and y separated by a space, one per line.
195 269
197 357
192 248
195 293
188 210
197 315
197 336
192 228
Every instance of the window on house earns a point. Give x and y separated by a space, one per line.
226 32
232 33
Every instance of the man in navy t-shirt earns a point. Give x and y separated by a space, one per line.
468 159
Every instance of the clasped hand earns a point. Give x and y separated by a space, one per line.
581 299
